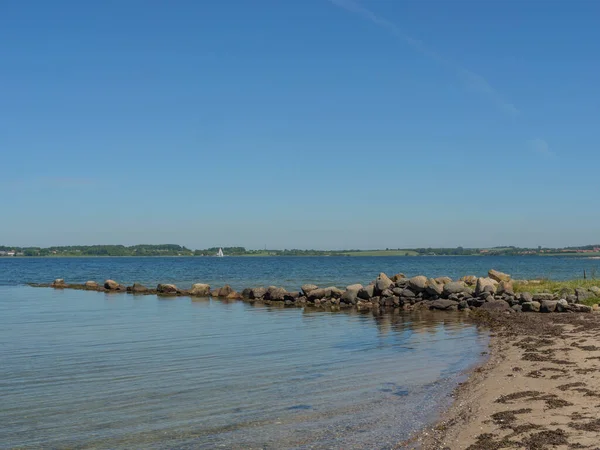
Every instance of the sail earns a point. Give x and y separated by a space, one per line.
220 252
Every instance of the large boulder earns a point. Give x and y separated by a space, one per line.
257 293
526 297
138 288
320 293
434 288
485 285
498 276
595 290
222 292
418 283
335 292
562 305
350 295
580 308
583 294
307 288
367 292
548 306
166 289
532 306
444 305
112 285
541 296
455 287
505 287
200 290
275 293
382 283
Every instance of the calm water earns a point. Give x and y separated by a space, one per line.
93 370
289 272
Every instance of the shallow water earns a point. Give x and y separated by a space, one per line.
94 370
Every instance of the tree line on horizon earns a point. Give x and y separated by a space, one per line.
179 250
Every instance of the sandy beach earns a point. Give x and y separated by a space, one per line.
538 389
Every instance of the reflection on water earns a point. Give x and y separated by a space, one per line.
91 370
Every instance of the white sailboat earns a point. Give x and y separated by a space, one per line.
220 253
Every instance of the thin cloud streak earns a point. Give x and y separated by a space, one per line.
471 80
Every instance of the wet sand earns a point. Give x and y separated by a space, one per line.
539 389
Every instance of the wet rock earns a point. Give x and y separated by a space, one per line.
444 305
382 283
366 292
335 292
246 292
532 306
166 289
454 287
476 302
200 290
463 304
58 283
307 288
291 296
485 285
418 283
91 285
224 291
113 285
320 293
234 296
257 293
498 276
275 293
548 306
408 293
496 305
138 288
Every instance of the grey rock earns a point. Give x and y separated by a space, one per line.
382 283
496 305
434 288
307 288
111 285
548 306
367 292
532 306
166 289
517 308
444 305
350 295
463 304
408 293
543 296
595 290
571 298
562 305
276 293
257 293
485 285
580 308
225 291
583 294
200 290
454 287
398 291
418 283
505 287
498 276
387 293
138 288
526 297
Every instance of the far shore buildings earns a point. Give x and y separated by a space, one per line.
9 253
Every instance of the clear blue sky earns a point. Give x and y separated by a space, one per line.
308 124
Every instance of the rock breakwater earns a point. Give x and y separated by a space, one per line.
496 292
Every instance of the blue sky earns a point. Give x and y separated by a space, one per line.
312 124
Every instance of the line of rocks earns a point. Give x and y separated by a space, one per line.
493 293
